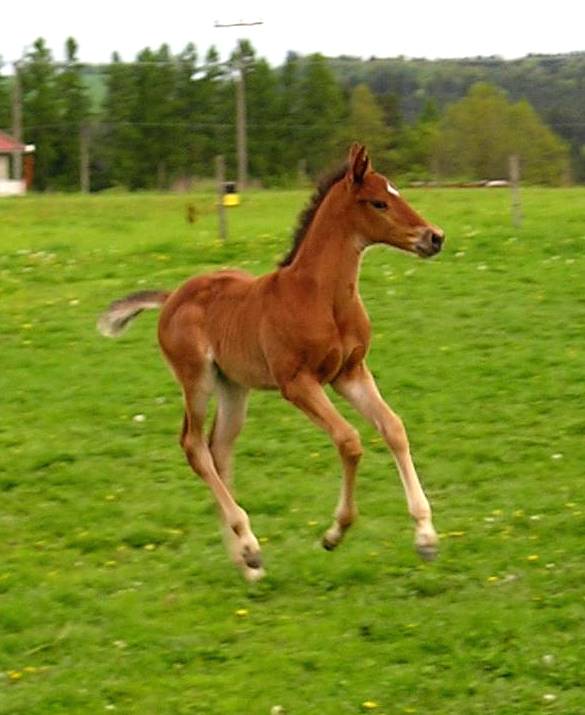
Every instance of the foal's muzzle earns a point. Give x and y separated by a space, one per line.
430 242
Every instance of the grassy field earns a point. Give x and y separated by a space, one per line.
115 592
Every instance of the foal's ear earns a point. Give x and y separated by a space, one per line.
358 163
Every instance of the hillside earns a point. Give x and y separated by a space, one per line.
553 84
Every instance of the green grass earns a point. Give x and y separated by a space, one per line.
115 592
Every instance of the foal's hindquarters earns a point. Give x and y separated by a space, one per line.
190 349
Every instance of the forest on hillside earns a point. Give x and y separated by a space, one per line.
160 120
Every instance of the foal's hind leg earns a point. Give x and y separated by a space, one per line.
232 401
245 549
360 390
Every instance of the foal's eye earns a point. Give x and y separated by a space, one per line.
381 205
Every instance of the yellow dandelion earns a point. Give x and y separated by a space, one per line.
149 547
14 675
370 705
533 557
493 579
242 612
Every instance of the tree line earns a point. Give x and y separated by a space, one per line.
163 118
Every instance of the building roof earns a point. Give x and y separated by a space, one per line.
8 144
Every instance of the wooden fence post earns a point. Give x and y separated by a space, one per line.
220 178
515 184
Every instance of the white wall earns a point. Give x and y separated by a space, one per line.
12 188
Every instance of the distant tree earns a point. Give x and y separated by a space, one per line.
41 118
480 132
366 125
189 139
475 135
264 143
543 155
322 114
5 101
122 138
413 155
288 129
74 107
217 114
154 113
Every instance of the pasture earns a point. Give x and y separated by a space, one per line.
115 591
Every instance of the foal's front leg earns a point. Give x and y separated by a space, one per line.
360 390
306 393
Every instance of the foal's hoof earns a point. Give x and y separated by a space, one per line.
427 552
253 574
332 538
328 544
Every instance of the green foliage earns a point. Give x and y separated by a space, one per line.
321 112
366 125
40 109
161 120
414 156
553 84
115 591
74 112
479 133
5 103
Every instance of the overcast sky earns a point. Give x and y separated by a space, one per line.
414 28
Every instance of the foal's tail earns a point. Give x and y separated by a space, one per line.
121 312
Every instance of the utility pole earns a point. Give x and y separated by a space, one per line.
241 124
17 120
241 130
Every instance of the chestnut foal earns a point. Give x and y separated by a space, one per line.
296 329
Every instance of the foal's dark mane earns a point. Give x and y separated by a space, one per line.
308 213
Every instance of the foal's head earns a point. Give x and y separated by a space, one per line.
381 215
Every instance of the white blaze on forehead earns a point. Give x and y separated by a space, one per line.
392 189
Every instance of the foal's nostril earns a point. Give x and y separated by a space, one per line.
436 241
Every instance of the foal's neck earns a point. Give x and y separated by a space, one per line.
330 254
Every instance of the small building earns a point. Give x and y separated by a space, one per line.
9 149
